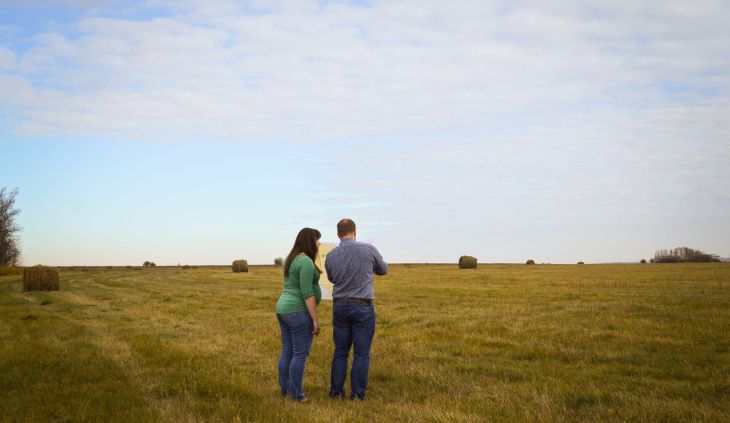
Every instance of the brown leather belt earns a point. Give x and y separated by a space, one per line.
353 300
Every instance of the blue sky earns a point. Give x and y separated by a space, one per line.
201 132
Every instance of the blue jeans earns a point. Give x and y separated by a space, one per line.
296 341
352 324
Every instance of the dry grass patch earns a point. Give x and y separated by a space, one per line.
502 342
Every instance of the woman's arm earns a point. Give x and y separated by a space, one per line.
312 309
306 277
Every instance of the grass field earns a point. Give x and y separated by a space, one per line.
503 342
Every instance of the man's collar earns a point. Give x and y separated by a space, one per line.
343 240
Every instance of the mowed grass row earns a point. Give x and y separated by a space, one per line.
508 342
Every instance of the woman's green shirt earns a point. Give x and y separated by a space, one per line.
302 283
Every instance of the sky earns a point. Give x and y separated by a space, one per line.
199 132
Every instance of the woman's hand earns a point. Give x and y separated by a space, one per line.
315 332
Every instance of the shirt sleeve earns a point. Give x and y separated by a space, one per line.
329 272
380 267
306 276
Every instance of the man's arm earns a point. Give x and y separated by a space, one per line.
329 272
380 267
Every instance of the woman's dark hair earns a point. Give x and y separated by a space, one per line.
306 243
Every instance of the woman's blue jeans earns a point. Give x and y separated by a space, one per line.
296 341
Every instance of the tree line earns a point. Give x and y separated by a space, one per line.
684 255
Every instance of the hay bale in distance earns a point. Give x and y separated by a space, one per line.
530 261
467 262
240 266
40 278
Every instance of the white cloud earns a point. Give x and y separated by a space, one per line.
331 72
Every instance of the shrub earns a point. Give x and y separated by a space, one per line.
10 270
643 261
278 262
40 278
128 267
149 264
651 260
580 262
467 262
240 266
530 261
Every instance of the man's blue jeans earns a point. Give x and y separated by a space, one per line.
352 324
296 341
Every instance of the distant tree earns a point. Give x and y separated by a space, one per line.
684 254
9 251
643 261
652 260
530 261
278 262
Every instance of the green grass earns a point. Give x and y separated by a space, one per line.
503 342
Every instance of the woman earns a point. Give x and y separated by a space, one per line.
296 312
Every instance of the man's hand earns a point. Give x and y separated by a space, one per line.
316 329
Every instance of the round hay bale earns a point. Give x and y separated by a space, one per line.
530 261
40 278
467 262
240 266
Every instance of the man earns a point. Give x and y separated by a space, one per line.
350 267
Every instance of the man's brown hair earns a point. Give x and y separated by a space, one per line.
345 226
